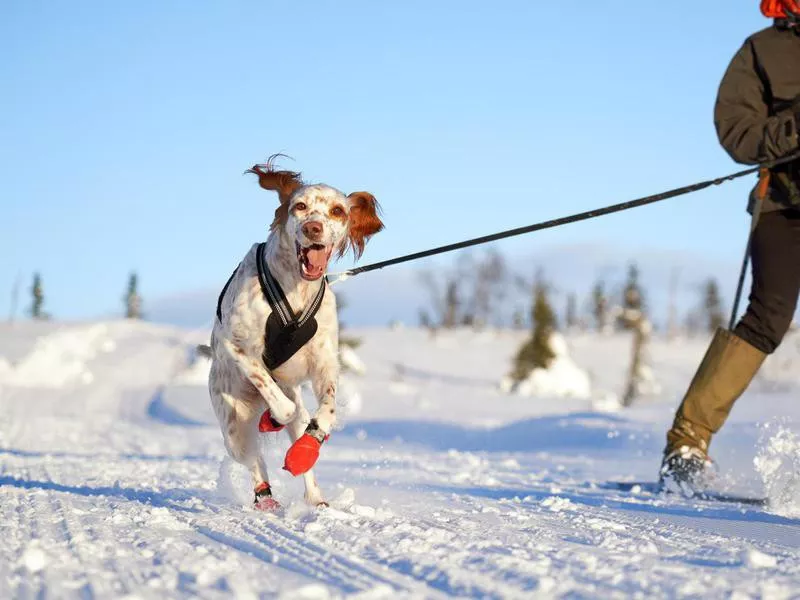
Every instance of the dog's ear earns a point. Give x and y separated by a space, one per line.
364 220
285 183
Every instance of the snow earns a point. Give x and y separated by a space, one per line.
115 483
778 464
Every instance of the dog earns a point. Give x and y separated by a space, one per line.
268 339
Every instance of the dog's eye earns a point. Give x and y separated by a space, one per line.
337 211
300 206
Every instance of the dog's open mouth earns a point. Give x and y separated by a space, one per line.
313 260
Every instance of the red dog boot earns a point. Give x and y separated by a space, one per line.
305 451
264 500
269 425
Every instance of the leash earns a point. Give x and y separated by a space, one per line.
761 195
591 214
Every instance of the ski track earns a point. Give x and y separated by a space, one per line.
110 491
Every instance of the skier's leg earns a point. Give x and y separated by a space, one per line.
776 281
734 358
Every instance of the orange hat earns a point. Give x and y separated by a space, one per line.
777 9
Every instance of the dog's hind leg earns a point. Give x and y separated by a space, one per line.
280 407
239 423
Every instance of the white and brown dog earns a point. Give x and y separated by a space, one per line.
262 351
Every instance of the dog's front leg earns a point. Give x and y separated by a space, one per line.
281 408
305 451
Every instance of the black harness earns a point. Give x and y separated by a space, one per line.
284 333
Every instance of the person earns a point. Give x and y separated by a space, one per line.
757 117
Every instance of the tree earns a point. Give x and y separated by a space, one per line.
639 374
446 303
632 299
451 306
600 306
471 292
633 318
572 311
133 301
536 353
490 281
692 323
712 303
38 298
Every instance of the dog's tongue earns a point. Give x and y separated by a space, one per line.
317 258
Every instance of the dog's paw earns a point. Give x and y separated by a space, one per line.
269 425
302 455
267 505
315 498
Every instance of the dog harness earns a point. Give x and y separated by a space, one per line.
284 333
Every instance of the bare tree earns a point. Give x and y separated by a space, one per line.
600 306
443 295
471 292
712 302
571 317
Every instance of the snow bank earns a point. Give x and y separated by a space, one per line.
196 373
563 378
60 358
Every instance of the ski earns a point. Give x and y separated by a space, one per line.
654 487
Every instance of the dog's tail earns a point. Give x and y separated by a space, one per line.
203 350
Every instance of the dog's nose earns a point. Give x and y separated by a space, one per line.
312 230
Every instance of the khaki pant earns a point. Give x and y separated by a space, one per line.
728 367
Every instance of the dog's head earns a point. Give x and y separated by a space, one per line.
318 219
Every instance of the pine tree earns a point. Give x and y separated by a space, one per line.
133 301
600 306
713 306
536 353
38 298
632 299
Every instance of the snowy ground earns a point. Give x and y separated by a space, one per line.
114 484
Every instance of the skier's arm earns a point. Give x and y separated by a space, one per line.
741 115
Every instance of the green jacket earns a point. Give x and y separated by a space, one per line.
757 112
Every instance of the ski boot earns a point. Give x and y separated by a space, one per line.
687 470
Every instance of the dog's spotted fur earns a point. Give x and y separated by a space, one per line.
240 386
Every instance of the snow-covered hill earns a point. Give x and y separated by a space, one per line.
114 482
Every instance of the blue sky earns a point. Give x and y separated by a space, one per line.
125 129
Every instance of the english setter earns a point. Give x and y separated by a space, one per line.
261 351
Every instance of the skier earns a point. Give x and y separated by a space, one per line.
757 118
